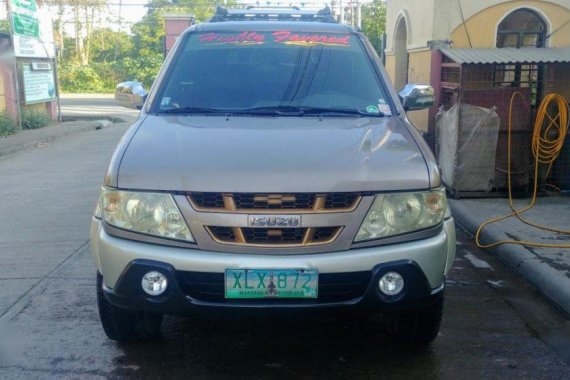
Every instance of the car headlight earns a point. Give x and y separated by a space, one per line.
400 213
149 213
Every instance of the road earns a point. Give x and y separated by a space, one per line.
87 105
495 325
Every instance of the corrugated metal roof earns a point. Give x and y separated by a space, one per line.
508 55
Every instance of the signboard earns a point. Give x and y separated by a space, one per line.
39 84
33 31
25 18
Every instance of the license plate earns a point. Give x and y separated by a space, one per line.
271 283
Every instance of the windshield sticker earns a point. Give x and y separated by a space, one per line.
385 109
244 38
289 38
280 37
372 109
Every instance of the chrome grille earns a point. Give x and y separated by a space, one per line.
274 203
208 200
274 236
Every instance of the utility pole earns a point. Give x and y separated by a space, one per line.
341 12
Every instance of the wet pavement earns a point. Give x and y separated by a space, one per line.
495 324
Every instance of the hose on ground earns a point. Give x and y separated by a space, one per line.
548 137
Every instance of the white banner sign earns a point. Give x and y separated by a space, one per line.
33 30
39 84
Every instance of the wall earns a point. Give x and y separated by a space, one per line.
415 13
432 20
419 15
174 25
419 71
8 90
482 26
2 95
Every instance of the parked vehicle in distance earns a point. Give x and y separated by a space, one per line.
272 168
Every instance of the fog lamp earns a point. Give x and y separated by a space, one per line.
154 283
391 283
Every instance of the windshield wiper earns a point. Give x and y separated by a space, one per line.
197 110
342 111
301 110
272 110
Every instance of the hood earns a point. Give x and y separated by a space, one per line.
272 155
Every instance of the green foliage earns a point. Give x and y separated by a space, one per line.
7 125
204 10
74 77
117 56
374 23
144 68
4 26
148 34
110 46
34 119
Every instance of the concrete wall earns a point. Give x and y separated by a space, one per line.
419 16
482 26
174 25
449 17
419 71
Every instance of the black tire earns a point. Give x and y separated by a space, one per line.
125 325
416 326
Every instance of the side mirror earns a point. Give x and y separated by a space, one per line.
417 97
130 95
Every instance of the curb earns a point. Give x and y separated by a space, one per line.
62 132
549 281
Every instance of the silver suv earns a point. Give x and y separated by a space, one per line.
272 168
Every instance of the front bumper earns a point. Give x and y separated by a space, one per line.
192 293
123 262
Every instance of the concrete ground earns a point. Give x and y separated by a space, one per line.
547 268
80 113
495 324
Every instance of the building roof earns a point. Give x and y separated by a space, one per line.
508 55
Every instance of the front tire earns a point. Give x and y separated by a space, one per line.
418 326
125 325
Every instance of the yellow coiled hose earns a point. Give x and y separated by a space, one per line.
545 150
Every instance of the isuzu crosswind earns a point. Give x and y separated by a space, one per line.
272 167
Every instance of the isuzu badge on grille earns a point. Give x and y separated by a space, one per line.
282 221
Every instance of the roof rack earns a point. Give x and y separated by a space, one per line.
252 13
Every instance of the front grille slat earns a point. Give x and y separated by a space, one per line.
275 236
254 202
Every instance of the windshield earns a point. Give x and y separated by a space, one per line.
265 71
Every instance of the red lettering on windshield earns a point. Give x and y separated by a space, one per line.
245 38
286 37
282 36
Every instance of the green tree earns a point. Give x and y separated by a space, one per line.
204 9
108 45
374 23
148 34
